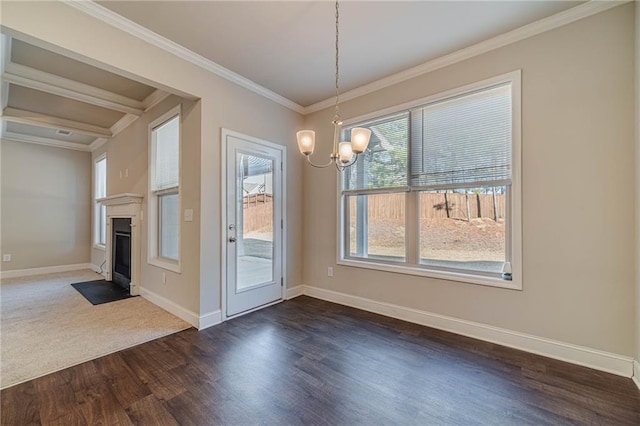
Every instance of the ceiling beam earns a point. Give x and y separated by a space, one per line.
154 99
39 80
97 143
5 58
18 137
33 118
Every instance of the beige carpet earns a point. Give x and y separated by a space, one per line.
46 325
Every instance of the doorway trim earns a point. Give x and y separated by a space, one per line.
225 133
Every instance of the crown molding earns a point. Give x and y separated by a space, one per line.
546 24
107 16
17 137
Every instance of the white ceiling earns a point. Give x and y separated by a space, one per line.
288 47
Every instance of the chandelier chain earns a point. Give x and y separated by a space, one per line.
344 154
337 113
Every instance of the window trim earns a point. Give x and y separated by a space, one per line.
513 223
153 257
94 222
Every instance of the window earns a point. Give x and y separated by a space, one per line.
437 191
164 191
100 210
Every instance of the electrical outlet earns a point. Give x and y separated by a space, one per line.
164 278
329 271
6 258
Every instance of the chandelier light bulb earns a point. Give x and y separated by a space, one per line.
306 141
360 139
346 152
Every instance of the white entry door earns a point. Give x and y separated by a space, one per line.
253 227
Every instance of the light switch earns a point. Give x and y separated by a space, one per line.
188 215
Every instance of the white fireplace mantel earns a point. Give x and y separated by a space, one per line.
125 205
126 198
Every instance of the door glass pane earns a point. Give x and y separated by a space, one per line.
255 213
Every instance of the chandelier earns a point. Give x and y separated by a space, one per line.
344 153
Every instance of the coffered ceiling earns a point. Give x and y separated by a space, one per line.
53 100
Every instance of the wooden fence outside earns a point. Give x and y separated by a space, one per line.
437 205
257 213
258 210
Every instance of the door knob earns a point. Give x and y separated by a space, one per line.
232 239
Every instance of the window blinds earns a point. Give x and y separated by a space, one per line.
166 142
384 164
464 140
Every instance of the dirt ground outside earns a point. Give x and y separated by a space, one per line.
479 239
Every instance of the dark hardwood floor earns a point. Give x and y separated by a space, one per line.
306 361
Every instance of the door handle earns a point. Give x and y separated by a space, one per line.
232 239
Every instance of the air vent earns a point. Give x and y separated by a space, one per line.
63 132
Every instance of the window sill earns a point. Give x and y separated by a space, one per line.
170 265
430 273
100 247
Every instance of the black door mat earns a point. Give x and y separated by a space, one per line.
101 291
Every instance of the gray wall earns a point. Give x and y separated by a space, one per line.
578 186
46 205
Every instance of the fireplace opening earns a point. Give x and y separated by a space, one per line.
121 274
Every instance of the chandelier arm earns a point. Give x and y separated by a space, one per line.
319 166
343 167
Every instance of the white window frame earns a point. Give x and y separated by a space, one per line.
96 206
513 222
153 214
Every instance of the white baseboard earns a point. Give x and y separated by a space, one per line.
636 373
171 307
209 319
46 270
592 358
294 292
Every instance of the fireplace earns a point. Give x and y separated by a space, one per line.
124 217
121 252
